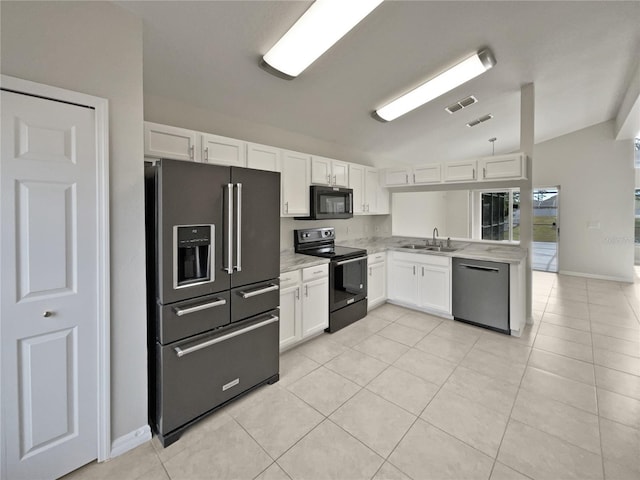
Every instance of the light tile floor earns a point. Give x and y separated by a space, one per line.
403 395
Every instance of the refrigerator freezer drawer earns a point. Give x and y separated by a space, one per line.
195 376
254 299
191 317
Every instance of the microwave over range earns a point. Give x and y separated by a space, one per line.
326 203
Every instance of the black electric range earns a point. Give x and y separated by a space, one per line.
347 274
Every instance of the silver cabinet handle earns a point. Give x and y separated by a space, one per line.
229 267
184 311
474 173
238 265
306 290
191 149
329 179
286 207
181 353
259 291
484 172
359 259
206 154
298 293
479 267
406 179
335 179
414 178
414 269
423 271
47 313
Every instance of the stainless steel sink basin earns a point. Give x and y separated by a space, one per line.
442 249
414 246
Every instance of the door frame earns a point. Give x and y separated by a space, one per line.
558 202
103 374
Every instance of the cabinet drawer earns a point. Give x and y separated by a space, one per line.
254 299
190 317
376 258
288 279
318 271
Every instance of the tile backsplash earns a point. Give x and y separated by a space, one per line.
346 229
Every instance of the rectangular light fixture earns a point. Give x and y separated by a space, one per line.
322 25
464 71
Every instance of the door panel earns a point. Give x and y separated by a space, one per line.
259 230
545 229
48 300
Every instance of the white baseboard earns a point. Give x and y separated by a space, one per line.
597 277
130 441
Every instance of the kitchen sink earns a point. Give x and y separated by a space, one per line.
442 249
432 248
414 246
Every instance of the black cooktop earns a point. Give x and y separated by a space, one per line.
319 242
335 251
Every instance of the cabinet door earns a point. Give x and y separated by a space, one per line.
315 306
290 316
428 174
321 171
295 180
434 285
263 157
340 174
377 291
460 171
396 176
402 282
356 182
372 190
164 141
503 167
223 150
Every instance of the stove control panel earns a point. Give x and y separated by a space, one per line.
309 235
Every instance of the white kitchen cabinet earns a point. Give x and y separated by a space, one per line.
420 281
394 177
263 157
223 151
503 167
427 174
290 316
465 171
357 184
376 196
315 299
327 171
294 181
165 141
377 280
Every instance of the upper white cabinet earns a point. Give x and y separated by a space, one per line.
327 171
460 171
263 157
356 183
164 141
397 176
368 195
223 150
294 181
426 174
501 167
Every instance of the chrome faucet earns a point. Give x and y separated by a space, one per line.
435 234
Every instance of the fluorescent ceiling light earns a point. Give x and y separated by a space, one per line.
464 71
326 22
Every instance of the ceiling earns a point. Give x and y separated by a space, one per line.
579 55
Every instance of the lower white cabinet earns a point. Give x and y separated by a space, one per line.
377 280
304 304
420 281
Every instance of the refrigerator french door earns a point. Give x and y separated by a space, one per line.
213 242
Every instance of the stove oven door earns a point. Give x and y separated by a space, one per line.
347 282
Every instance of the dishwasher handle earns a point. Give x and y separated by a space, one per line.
479 267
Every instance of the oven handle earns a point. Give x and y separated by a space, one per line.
259 291
183 311
181 353
359 259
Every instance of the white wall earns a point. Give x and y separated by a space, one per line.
596 177
96 48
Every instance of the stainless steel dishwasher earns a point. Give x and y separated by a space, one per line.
481 293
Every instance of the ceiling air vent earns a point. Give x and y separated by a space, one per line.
460 104
478 121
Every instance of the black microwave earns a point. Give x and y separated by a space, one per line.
326 203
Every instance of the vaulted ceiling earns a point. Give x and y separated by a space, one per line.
579 55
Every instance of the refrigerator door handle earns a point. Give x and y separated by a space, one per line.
229 266
252 293
238 265
182 352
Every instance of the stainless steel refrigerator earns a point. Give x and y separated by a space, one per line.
213 245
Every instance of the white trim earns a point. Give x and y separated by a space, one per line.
130 441
101 107
597 277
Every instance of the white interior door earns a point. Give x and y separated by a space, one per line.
49 281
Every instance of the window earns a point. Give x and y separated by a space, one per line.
497 215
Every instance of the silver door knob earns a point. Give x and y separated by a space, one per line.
47 313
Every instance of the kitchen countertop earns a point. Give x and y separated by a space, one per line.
289 260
